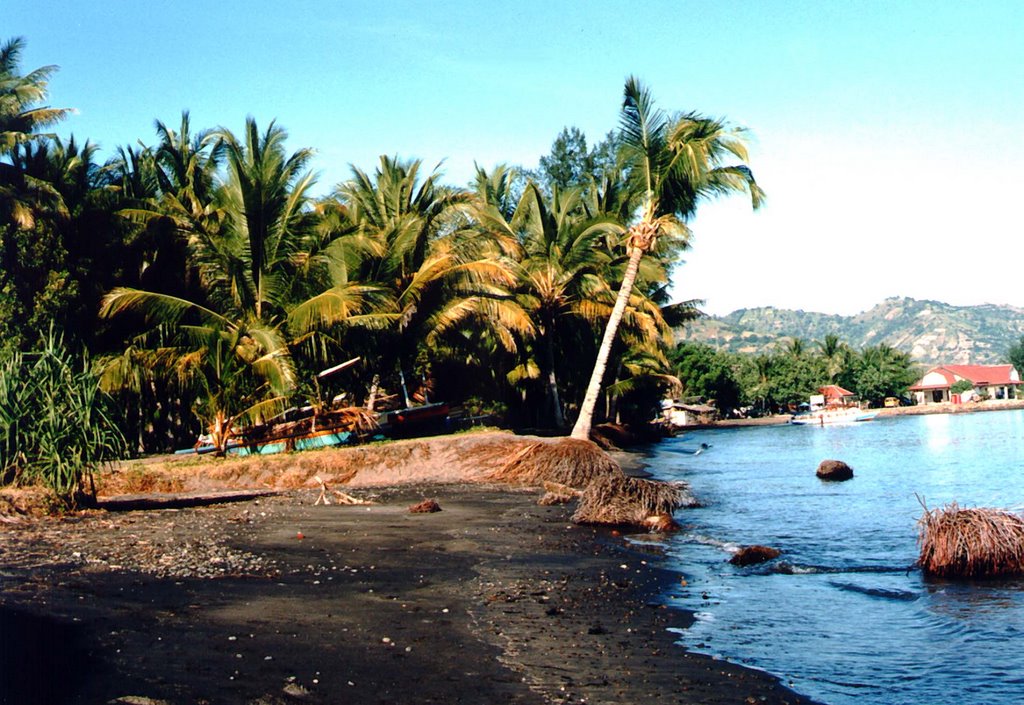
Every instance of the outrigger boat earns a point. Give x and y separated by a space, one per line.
308 428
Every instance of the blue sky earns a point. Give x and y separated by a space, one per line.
888 135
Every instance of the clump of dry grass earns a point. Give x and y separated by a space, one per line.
630 501
971 543
566 461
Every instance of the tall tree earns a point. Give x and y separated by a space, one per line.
1015 355
674 164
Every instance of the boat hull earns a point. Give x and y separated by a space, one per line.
833 417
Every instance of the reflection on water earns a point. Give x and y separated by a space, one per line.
936 428
842 614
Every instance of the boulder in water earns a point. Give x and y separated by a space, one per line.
834 470
751 555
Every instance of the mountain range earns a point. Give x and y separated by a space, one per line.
932 332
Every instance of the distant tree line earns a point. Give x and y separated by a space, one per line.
772 382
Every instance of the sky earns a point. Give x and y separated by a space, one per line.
887 135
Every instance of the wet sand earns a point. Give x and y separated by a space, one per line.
492 600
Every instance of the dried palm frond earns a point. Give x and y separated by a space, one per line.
556 493
971 543
630 501
567 461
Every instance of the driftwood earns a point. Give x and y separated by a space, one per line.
339 497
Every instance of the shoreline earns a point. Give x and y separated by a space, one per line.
918 410
493 599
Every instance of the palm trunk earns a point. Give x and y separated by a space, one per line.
586 417
552 393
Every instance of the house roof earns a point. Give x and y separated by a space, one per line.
834 391
979 375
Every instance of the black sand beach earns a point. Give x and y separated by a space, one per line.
277 600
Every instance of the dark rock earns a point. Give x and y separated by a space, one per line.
427 506
834 470
751 555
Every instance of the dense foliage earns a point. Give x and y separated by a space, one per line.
212 284
56 426
1015 355
777 381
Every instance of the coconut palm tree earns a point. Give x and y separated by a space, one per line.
438 272
673 163
267 201
562 272
241 368
21 119
246 239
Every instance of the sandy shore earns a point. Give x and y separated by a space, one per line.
492 600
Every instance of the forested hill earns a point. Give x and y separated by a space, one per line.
931 331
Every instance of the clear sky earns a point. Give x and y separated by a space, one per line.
888 134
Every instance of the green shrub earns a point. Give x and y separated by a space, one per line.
961 386
55 423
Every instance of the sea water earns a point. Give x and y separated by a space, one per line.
843 615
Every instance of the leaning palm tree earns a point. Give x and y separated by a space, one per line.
674 163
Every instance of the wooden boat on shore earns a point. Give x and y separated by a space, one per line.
305 431
417 420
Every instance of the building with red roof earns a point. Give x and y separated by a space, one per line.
991 381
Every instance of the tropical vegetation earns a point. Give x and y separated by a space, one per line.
780 381
198 284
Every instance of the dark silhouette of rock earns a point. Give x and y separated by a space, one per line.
427 506
834 470
750 555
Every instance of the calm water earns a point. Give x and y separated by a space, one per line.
842 615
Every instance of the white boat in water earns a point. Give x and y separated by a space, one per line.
838 415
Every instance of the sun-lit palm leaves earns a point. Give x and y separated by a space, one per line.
437 272
242 369
266 197
21 119
21 116
673 164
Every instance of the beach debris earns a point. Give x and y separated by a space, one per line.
661 523
295 690
557 493
137 700
567 461
752 555
427 506
960 542
621 500
339 496
834 471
